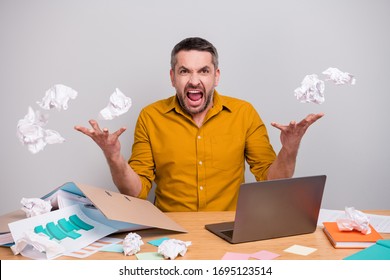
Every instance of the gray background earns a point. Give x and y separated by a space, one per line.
266 48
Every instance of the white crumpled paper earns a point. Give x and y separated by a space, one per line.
40 244
311 90
339 77
118 105
57 97
35 206
32 134
171 248
132 244
355 220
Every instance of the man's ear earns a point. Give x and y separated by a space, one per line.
217 75
172 75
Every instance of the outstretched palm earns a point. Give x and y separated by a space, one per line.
291 134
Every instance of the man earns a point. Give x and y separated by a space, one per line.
194 144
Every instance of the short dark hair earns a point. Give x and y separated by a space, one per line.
194 43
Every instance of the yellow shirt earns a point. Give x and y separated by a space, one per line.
199 169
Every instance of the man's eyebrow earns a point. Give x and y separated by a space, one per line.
204 68
200 70
183 68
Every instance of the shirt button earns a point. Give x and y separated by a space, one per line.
200 162
201 188
199 137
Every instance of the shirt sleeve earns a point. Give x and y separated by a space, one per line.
259 152
141 160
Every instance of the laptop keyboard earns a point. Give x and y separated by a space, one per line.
228 233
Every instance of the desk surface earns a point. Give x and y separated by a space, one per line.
207 246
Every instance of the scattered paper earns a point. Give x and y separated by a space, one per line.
68 226
157 242
149 256
300 250
115 248
57 97
118 105
354 220
30 129
171 248
132 244
35 206
32 134
327 215
264 255
311 90
99 245
261 255
339 77
39 243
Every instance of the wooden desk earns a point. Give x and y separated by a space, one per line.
207 246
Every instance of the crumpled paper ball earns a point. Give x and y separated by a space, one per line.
171 248
39 242
132 244
118 105
339 77
355 220
35 206
31 133
57 97
311 90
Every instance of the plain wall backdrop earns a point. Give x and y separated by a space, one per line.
266 48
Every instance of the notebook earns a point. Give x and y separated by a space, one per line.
349 239
274 208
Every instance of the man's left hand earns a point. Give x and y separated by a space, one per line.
291 134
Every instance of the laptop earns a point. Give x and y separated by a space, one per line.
274 208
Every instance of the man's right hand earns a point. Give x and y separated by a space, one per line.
109 143
127 181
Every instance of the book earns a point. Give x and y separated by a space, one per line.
349 239
379 251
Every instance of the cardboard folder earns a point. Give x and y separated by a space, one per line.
113 205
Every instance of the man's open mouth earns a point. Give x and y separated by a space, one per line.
194 94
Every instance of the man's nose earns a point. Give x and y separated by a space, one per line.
194 79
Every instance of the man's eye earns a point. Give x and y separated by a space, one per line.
205 71
183 71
